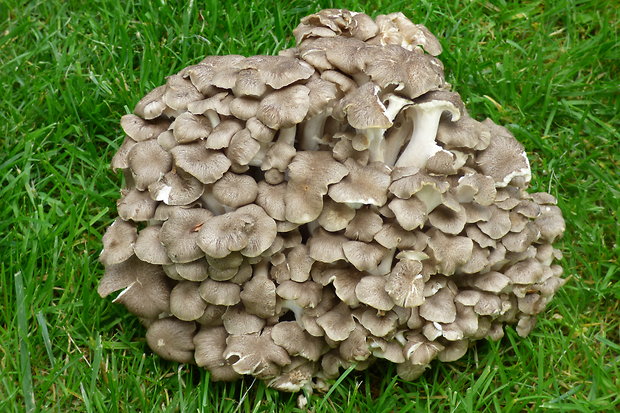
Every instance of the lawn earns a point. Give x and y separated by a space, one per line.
70 69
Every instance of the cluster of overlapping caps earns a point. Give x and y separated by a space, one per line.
287 216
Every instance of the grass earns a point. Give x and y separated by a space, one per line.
69 70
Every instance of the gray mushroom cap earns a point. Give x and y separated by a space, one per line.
364 226
243 149
151 105
141 130
371 291
449 251
259 131
550 223
419 351
249 83
204 164
363 185
504 159
202 74
119 160
218 103
180 233
118 242
379 324
220 293
306 294
172 339
449 220
389 350
197 270
284 108
185 301
188 127
235 190
210 344
344 83
290 336
322 95
310 173
248 230
176 188
146 289
180 92
528 271
454 351
392 235
413 73
363 109
476 187
356 347
222 134
281 71
243 107
149 248
212 316
395 28
410 213
405 284
239 322
465 132
148 162
326 247
497 225
256 354
136 205
364 256
337 323
271 199
335 216
439 307
294 376
258 295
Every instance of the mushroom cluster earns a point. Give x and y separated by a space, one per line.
288 216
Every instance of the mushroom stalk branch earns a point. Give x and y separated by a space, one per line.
422 144
377 145
213 117
313 131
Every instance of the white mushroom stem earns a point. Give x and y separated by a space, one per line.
213 117
400 337
261 269
375 349
395 141
385 266
313 131
422 143
377 146
258 159
287 135
395 105
295 308
430 196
